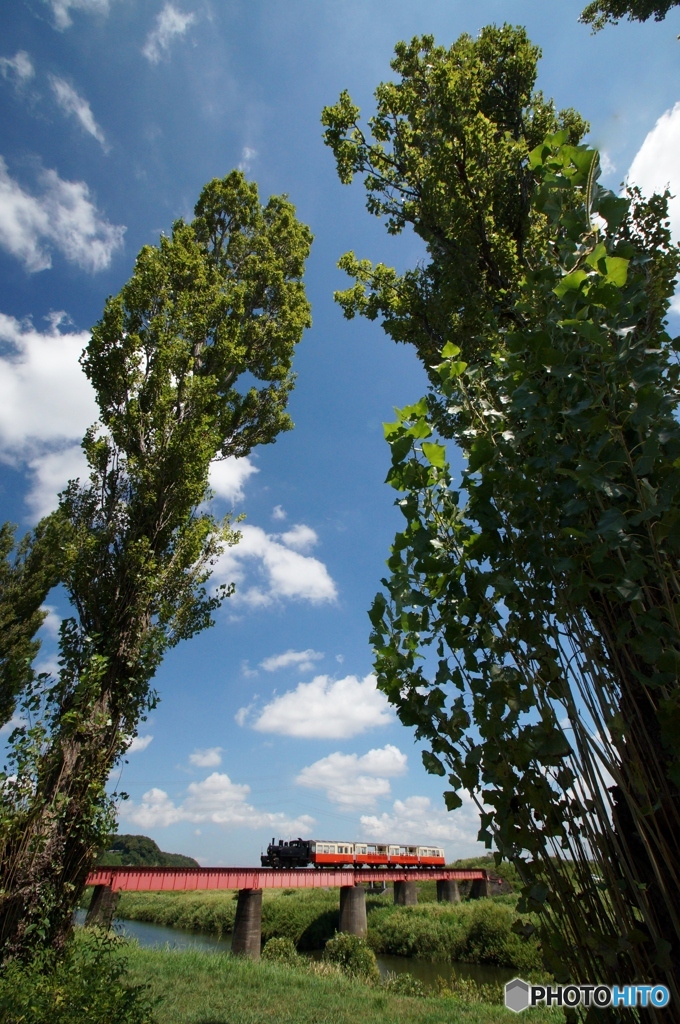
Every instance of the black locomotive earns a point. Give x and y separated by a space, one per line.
294 854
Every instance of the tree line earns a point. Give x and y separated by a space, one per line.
528 627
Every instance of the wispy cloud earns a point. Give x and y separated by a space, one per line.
73 104
217 799
211 757
61 217
139 743
17 69
353 781
61 10
303 660
248 154
325 709
171 24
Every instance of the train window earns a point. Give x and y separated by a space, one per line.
360 849
394 851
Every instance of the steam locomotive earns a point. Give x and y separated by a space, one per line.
303 853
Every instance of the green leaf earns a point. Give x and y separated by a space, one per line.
570 282
435 454
432 764
617 270
481 452
452 800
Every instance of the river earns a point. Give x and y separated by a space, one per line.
424 970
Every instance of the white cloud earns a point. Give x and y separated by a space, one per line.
71 102
139 743
170 23
657 163
50 473
416 821
52 622
44 395
656 166
285 573
217 799
211 757
326 709
45 401
278 512
300 537
62 217
353 781
61 10
18 68
15 722
304 660
606 163
229 476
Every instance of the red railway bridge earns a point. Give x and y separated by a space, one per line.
110 882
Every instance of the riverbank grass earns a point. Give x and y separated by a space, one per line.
192 987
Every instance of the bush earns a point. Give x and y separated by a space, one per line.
476 932
465 990
353 956
404 985
282 951
87 985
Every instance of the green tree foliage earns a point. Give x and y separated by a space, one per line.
27 574
601 12
190 362
128 850
529 628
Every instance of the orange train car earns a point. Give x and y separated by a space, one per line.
321 853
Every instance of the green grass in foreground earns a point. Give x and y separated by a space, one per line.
205 988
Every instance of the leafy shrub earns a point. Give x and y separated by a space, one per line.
476 932
353 955
404 985
87 985
465 990
282 951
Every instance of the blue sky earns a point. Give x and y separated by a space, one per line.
114 114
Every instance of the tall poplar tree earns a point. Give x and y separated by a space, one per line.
529 626
191 362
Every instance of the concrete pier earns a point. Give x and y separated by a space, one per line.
102 907
353 910
247 936
480 888
405 894
447 891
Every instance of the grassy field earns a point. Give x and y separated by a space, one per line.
206 988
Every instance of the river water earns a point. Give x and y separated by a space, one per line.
424 970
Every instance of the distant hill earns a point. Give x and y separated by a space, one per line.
134 851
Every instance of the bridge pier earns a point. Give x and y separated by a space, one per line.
353 910
247 936
480 888
405 894
102 907
447 891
